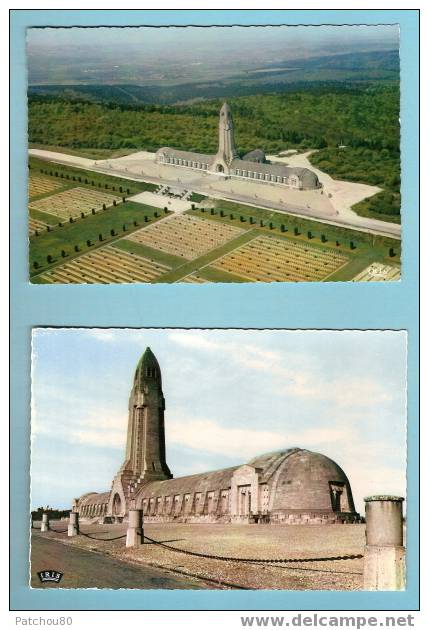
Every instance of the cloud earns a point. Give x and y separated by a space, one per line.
99 334
206 435
106 439
101 427
344 392
239 352
306 382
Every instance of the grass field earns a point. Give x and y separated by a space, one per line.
304 226
231 243
95 154
186 236
269 259
106 265
360 248
77 234
73 202
41 185
70 175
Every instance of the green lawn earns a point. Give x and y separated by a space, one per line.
66 173
44 216
195 265
181 267
94 154
71 234
64 186
148 252
381 206
332 233
366 248
216 275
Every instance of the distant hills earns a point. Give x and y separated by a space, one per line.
284 76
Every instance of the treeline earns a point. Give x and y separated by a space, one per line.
359 118
53 513
380 168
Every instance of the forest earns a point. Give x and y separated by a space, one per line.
363 120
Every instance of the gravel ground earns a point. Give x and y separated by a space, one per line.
241 541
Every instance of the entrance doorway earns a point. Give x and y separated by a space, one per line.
244 499
117 505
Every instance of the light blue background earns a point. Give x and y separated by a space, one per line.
324 305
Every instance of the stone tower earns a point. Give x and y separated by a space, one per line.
226 150
145 451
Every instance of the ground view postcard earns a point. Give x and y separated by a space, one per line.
214 155
265 475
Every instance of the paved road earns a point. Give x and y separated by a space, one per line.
86 569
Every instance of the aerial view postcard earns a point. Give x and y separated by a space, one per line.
201 155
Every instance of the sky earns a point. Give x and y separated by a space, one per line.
230 395
161 38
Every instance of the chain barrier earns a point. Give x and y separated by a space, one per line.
102 539
255 560
197 554
62 531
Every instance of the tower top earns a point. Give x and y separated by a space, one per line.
147 367
225 115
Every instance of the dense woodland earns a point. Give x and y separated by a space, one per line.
365 120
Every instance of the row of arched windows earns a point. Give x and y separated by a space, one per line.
93 510
210 502
268 177
166 159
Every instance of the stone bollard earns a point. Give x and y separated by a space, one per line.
135 533
73 526
45 523
384 557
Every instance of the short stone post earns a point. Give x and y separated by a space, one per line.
73 526
45 523
135 533
384 559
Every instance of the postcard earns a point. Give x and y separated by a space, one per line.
262 154
221 459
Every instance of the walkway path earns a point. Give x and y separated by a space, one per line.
85 569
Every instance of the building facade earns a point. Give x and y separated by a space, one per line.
291 486
227 163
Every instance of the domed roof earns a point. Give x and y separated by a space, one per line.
305 480
257 155
269 462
